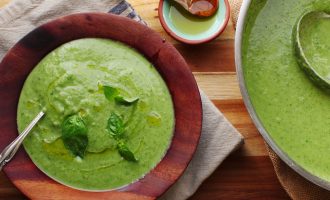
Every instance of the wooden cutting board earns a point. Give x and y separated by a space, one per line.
246 174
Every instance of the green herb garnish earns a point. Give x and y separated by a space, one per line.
113 93
115 126
125 152
110 92
74 135
126 101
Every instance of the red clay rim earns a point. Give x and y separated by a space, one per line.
193 42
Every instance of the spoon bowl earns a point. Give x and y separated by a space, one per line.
201 8
312 49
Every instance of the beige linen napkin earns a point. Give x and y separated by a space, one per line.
219 138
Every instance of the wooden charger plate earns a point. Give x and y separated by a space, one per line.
24 56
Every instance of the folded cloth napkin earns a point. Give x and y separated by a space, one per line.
219 138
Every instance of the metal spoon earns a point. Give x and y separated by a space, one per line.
315 76
201 8
8 153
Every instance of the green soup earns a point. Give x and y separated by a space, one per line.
67 81
294 111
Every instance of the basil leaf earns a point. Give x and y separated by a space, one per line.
125 152
113 93
74 135
110 92
126 101
115 126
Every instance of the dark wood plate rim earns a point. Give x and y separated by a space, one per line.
26 53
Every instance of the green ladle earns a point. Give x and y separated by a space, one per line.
312 47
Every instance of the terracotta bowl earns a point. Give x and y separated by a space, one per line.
23 57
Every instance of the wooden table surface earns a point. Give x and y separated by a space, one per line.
247 173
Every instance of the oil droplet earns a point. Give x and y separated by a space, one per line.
82 113
30 103
78 159
44 109
154 118
51 139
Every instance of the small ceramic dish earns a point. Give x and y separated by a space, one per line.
213 30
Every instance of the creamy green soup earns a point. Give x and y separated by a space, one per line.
77 79
294 111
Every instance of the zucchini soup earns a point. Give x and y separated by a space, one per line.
109 115
292 108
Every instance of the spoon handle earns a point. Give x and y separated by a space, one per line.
8 153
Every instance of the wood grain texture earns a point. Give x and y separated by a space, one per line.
4 2
22 58
242 177
247 173
216 56
219 86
